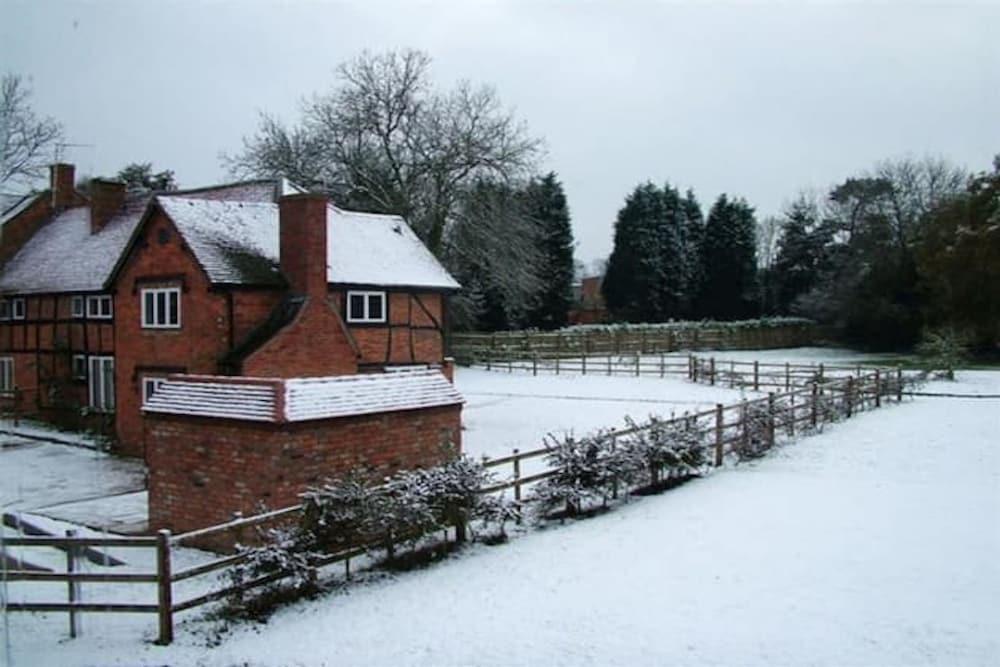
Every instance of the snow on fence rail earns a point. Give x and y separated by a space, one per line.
736 431
649 339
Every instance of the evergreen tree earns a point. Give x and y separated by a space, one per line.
796 266
545 201
630 280
694 223
139 177
729 258
649 271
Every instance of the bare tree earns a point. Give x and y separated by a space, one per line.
25 139
397 144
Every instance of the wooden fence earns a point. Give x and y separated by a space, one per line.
478 347
809 404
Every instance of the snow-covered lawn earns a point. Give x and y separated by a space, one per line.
874 543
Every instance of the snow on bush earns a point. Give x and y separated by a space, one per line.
591 470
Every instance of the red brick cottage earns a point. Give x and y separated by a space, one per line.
103 297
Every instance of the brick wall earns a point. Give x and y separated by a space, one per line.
202 470
314 344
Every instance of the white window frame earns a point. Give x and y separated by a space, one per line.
149 320
80 367
78 307
365 317
6 373
153 381
101 393
18 308
96 307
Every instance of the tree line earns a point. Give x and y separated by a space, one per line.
883 257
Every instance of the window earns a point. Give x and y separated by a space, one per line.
79 367
366 306
76 307
102 383
149 385
4 309
6 374
18 308
161 308
99 307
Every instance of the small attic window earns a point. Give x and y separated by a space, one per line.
366 307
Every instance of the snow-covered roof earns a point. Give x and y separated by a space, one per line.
301 399
63 256
238 242
11 204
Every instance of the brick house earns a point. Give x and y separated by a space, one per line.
588 306
102 297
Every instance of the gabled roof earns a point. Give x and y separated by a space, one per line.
63 256
301 399
234 240
233 232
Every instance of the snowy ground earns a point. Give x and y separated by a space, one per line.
874 543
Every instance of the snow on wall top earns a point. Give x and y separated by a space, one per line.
301 399
215 397
238 242
343 396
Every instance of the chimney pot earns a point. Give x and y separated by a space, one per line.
303 242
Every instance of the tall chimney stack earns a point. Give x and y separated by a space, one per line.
106 199
61 185
303 230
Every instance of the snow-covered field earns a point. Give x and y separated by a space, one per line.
874 543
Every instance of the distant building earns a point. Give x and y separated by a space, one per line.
589 305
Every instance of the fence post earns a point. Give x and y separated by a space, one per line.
745 425
637 365
711 366
534 364
694 368
73 587
788 376
164 587
662 370
609 365
812 407
878 389
899 384
821 372
791 414
517 478
849 390
756 375
770 419
691 373
583 366
718 434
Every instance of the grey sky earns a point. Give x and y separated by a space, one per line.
757 100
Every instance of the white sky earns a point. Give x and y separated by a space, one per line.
759 100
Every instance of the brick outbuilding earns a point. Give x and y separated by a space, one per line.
220 445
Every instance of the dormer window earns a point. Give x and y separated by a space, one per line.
366 307
99 307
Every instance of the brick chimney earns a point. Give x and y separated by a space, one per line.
106 199
302 221
61 185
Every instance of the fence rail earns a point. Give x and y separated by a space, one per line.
815 398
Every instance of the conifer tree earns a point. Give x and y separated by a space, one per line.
729 257
796 267
545 201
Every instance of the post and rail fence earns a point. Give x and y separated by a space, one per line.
807 402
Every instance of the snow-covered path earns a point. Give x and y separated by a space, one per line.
875 543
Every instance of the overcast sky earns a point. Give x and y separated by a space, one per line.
758 100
